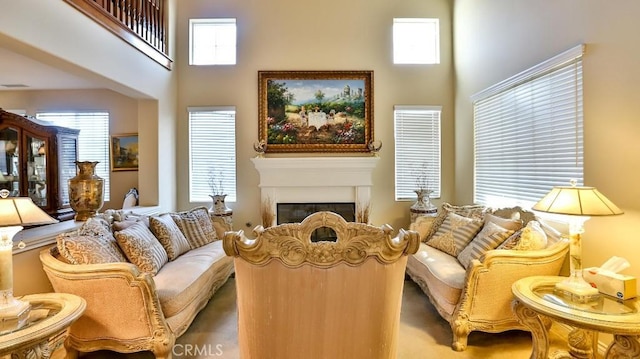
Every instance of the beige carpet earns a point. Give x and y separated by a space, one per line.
423 333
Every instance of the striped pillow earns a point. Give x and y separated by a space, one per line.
470 211
196 226
455 233
169 235
142 248
490 237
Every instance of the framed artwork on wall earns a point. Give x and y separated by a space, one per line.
315 111
124 152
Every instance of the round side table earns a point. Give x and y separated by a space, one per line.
536 303
49 319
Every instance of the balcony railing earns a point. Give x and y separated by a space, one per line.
141 23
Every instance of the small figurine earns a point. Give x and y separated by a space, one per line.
260 147
374 147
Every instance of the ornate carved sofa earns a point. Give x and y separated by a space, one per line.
129 307
304 299
478 297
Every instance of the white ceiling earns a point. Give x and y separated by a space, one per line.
16 69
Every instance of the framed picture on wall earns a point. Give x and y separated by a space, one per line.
315 111
124 152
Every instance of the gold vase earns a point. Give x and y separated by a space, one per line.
86 191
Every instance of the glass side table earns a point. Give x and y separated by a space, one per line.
536 305
46 327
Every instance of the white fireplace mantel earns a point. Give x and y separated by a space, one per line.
316 180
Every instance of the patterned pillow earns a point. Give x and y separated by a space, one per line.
455 233
95 226
490 237
196 226
142 248
85 249
531 237
470 211
169 235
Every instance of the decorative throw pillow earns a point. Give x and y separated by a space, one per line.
506 223
531 237
85 249
95 226
469 211
490 237
455 233
120 225
169 235
142 248
196 226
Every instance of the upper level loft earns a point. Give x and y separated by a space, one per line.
141 23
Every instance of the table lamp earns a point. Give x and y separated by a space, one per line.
579 203
14 213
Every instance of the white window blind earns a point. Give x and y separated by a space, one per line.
416 41
212 151
529 133
93 140
417 150
212 41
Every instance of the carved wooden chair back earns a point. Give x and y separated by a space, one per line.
304 299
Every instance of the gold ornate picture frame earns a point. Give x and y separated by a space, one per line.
315 111
124 152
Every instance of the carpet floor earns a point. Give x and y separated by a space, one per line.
423 333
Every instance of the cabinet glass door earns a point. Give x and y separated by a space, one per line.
37 170
9 170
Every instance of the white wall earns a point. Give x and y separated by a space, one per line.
321 35
495 39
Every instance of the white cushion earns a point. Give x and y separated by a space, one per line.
443 274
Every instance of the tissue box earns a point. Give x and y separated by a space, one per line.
617 285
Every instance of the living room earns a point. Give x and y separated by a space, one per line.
482 43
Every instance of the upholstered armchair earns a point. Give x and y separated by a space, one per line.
303 299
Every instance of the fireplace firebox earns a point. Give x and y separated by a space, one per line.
296 212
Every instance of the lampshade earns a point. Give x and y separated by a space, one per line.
576 201
21 211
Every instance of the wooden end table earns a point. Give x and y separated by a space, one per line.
535 304
49 319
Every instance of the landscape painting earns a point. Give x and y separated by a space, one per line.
315 111
124 152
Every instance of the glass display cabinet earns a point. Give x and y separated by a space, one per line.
37 159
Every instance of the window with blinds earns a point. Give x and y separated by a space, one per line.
93 141
212 41
417 150
212 152
528 133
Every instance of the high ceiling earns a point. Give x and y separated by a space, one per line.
17 71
